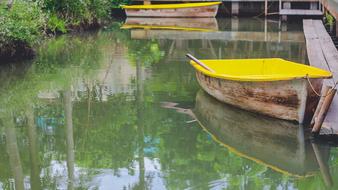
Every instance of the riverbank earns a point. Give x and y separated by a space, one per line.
24 24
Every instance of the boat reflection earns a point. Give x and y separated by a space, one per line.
208 28
185 24
280 145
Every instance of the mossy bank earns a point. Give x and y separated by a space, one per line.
24 23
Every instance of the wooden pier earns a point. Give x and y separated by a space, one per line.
322 53
283 8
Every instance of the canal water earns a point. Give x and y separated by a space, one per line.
120 108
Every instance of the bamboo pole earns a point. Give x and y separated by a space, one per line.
320 104
200 63
323 111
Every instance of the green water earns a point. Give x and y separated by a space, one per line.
121 109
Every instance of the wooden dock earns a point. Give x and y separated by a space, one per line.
322 53
237 6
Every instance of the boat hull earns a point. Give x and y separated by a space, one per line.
286 99
205 11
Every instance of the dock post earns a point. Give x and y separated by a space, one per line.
285 5
235 8
325 90
313 6
146 2
266 8
323 111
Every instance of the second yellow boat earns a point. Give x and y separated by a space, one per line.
185 10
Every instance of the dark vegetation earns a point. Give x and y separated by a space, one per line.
23 23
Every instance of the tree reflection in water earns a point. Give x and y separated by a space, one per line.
87 114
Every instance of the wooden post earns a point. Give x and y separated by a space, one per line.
285 5
320 104
313 6
280 5
147 2
235 8
323 111
266 8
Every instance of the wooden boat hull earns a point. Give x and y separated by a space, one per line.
206 11
286 99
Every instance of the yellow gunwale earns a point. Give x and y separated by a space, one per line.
131 26
170 6
293 68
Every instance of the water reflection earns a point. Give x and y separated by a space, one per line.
86 114
180 24
280 145
222 38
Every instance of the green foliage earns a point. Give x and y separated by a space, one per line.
118 3
76 12
145 52
56 25
329 19
24 22
28 20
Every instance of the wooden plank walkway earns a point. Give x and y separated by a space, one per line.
322 53
305 12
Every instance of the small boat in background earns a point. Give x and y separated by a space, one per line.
186 10
273 87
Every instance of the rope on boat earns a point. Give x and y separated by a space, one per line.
319 94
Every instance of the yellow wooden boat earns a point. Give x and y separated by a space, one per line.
208 9
274 87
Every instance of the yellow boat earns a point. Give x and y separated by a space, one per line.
273 87
186 10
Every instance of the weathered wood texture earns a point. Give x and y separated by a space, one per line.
290 100
323 111
280 144
207 11
325 90
323 54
